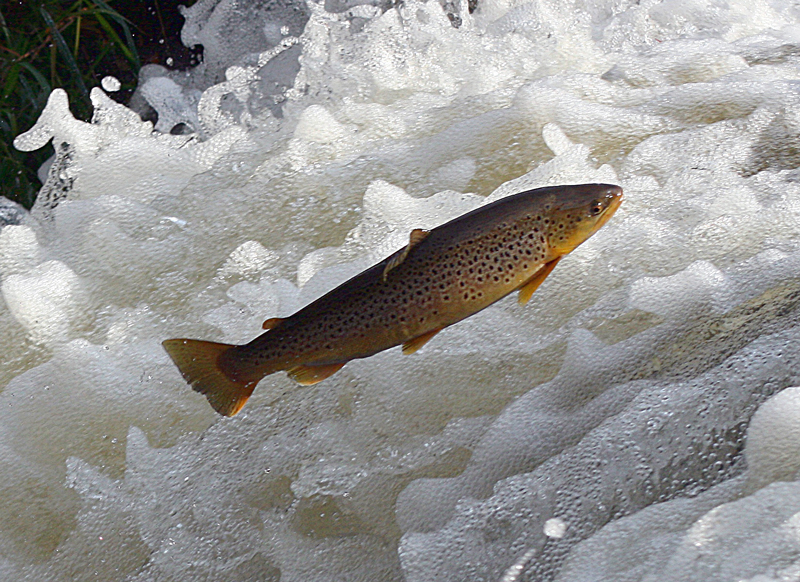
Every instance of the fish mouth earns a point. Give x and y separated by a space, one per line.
615 193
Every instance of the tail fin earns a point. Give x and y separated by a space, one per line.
198 362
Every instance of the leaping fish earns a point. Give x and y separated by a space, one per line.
441 277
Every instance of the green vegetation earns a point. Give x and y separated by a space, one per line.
49 44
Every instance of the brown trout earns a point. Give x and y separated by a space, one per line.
441 277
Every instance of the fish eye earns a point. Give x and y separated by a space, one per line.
596 208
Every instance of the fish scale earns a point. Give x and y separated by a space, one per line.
441 277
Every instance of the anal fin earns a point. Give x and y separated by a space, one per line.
533 283
307 375
413 345
272 322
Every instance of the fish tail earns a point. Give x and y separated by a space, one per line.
199 364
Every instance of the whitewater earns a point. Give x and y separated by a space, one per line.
638 420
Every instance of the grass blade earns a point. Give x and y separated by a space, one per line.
11 80
77 37
64 50
28 94
36 75
93 67
3 24
131 53
7 126
41 79
113 34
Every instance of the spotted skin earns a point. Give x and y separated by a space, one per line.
454 271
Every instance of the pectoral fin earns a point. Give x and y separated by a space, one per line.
308 375
413 345
272 322
533 283
417 236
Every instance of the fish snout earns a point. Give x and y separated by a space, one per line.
611 193
606 204
615 194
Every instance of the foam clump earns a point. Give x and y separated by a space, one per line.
595 433
230 30
46 297
19 249
230 33
740 529
317 125
773 440
249 258
113 141
110 84
47 300
11 212
176 105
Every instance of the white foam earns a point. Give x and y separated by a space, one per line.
743 529
595 433
773 440
555 528
48 300
250 258
318 125
110 84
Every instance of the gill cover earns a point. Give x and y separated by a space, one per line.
571 224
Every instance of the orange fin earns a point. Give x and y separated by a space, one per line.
417 236
308 375
198 362
533 283
413 345
272 322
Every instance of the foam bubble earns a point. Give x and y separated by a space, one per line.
555 528
110 84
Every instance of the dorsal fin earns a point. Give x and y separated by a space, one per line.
417 236
271 322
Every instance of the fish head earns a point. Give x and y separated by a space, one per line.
578 212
